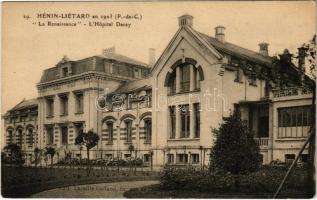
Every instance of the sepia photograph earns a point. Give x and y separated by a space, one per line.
170 99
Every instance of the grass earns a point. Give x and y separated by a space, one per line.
154 191
25 181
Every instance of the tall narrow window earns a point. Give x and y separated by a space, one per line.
238 75
64 135
128 126
30 137
185 121
110 132
196 78
49 135
64 104
172 121
197 119
20 137
10 137
50 107
185 78
172 82
79 103
64 71
148 130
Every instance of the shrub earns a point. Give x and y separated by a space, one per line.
235 150
263 181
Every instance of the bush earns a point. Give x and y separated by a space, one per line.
235 150
263 181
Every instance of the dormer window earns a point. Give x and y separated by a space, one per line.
64 72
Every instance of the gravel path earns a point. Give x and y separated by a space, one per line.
101 190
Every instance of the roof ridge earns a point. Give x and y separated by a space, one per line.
226 44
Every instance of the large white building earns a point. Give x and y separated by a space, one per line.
166 110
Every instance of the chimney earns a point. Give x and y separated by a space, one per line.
301 58
110 50
151 57
264 48
286 58
220 33
185 20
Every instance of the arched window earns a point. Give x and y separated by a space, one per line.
9 136
128 130
184 77
30 136
148 130
20 137
110 131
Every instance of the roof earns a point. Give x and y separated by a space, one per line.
232 49
86 64
131 86
25 104
122 58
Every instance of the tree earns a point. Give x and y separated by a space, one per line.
235 150
89 140
15 152
50 151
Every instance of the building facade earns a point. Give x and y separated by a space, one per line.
164 112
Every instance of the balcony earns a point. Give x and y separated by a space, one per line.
291 91
262 141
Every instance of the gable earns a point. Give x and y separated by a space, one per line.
186 38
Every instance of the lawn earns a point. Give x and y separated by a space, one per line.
193 183
25 181
154 191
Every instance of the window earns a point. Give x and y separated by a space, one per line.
128 126
137 73
127 156
197 119
170 158
20 137
146 158
185 121
64 104
195 158
196 78
110 132
50 107
148 130
64 135
182 158
252 79
49 135
172 121
172 83
10 137
304 158
30 136
289 158
185 78
294 116
64 71
238 75
79 98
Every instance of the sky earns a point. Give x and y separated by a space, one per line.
28 49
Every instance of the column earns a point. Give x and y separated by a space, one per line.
178 80
192 121
177 122
192 77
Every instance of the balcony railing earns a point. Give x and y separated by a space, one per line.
262 141
291 91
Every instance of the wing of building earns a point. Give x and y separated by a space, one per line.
165 111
